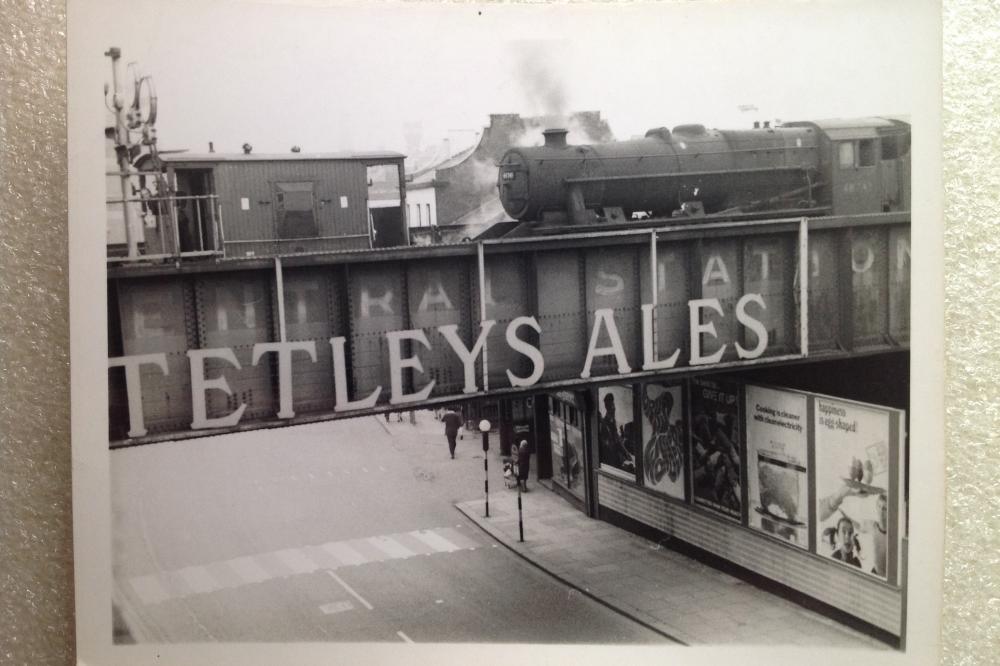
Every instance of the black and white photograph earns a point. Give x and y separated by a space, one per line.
716 463
617 437
778 463
566 438
857 511
429 326
664 438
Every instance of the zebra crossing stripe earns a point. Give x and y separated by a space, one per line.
457 538
391 547
413 544
198 580
248 569
296 560
368 550
203 579
344 553
149 589
435 541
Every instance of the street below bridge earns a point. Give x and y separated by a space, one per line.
338 531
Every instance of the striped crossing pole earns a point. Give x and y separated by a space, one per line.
484 427
520 519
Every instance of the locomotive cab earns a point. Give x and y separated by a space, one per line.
865 164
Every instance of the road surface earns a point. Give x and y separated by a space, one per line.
341 531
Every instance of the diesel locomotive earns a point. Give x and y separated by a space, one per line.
818 168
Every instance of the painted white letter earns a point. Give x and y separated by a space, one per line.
199 385
434 295
715 269
467 356
384 302
865 265
902 258
528 350
133 386
753 324
765 263
605 316
613 284
397 363
284 351
343 400
697 328
648 357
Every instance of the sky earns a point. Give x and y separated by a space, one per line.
351 77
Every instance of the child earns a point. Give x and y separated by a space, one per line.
849 544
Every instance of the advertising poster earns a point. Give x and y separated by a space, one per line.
715 452
852 485
663 438
617 438
566 437
777 464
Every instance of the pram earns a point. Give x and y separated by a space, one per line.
509 471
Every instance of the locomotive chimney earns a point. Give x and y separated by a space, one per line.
756 124
767 124
555 138
211 147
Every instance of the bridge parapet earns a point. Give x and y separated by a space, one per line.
255 343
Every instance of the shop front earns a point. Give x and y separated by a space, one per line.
798 491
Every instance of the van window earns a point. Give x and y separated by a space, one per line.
295 210
866 152
895 146
846 152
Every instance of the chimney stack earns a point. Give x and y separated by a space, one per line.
555 138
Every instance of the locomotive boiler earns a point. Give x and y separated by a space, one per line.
803 168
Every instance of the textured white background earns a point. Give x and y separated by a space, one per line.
36 573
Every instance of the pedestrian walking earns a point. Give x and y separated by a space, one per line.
523 464
452 422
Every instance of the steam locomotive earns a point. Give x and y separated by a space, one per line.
835 167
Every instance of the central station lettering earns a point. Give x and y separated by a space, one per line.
604 341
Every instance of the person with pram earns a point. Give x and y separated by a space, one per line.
517 466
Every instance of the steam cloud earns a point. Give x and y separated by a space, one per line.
539 78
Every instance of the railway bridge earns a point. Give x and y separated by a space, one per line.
198 347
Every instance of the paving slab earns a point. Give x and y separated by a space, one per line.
681 598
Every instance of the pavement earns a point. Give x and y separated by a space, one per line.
668 592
